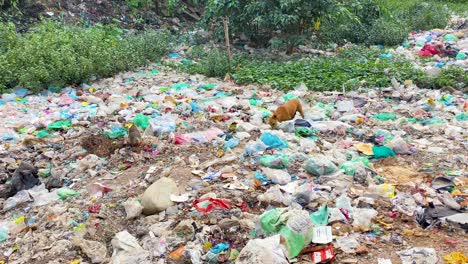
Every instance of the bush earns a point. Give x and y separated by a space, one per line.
387 31
453 76
53 54
212 64
426 16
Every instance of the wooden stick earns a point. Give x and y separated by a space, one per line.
228 46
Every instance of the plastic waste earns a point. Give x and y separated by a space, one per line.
207 205
276 161
319 166
347 244
254 148
344 202
385 116
456 257
384 190
362 217
64 194
3 232
198 137
381 152
320 217
294 225
116 132
19 198
263 251
231 143
60 125
277 176
418 255
273 141
141 121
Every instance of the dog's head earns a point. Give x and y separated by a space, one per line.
273 121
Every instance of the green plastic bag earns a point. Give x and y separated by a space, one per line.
116 132
460 56
381 152
180 86
462 117
253 102
320 217
288 97
64 194
43 134
59 125
208 86
270 220
276 161
141 121
450 37
385 116
320 166
383 136
294 226
350 167
266 113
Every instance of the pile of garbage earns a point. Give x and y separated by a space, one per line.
154 166
436 49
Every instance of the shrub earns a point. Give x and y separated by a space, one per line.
387 31
54 54
212 64
425 16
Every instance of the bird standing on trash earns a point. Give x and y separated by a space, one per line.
134 136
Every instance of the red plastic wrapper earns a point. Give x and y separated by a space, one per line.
324 255
213 203
94 209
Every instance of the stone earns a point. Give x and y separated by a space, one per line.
95 251
133 208
362 249
157 197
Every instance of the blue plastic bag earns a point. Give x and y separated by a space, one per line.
273 141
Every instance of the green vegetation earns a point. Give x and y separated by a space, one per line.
56 54
353 68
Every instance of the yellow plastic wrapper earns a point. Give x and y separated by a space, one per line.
456 258
365 148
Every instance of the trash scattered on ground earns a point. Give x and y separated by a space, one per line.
367 176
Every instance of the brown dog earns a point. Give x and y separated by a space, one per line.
134 136
286 112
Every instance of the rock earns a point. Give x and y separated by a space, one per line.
362 249
126 250
157 197
96 251
133 208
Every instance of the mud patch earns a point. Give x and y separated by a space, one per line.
100 145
